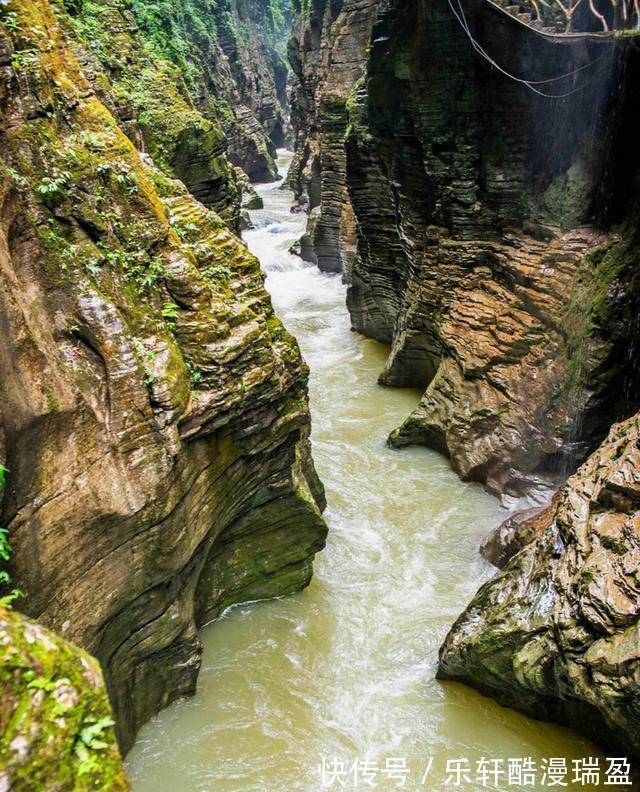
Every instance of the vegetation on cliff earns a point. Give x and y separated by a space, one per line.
229 53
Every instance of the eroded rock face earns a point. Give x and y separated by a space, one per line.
483 255
56 731
152 103
154 410
520 528
328 56
229 50
557 634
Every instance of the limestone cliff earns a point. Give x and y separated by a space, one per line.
484 211
556 634
496 252
154 413
56 732
327 56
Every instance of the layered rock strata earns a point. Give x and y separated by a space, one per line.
230 54
556 634
154 410
485 252
497 254
327 53
152 103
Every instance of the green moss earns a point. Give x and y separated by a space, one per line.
55 722
179 138
566 200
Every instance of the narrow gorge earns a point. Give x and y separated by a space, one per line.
437 202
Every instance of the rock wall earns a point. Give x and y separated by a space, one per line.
154 410
152 103
498 255
485 255
556 634
56 732
327 56
230 53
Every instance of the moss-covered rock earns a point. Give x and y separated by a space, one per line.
229 52
56 729
249 198
152 100
555 634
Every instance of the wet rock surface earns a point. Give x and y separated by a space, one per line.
513 534
154 409
555 634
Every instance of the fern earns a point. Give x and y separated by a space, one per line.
5 555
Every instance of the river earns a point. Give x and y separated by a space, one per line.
346 669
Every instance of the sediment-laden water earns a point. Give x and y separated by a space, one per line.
346 669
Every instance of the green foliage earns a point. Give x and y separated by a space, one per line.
5 555
136 267
194 371
170 312
10 21
146 357
217 275
92 736
183 230
5 547
91 740
48 685
281 12
23 59
170 29
54 185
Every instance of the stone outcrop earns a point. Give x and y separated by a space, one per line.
508 538
556 634
153 103
249 198
498 255
485 253
56 731
154 410
327 56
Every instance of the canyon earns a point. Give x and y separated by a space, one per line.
473 180
487 230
